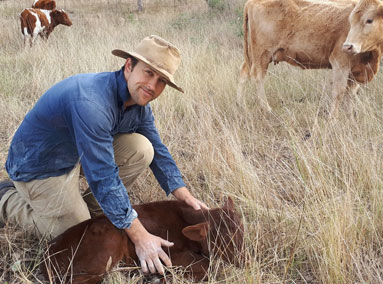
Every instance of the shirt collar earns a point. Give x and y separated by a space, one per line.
122 87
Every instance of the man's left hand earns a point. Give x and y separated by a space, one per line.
184 194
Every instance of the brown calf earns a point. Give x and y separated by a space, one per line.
41 22
86 252
44 4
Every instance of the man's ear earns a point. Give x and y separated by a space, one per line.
128 65
196 232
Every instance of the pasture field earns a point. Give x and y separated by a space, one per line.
310 191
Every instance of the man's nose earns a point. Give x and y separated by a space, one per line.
153 83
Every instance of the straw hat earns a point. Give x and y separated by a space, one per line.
159 54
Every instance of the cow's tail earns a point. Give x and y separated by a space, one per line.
23 24
247 60
246 64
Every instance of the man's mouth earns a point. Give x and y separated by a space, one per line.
148 92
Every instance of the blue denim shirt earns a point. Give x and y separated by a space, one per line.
76 120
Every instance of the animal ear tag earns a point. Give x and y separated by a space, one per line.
196 232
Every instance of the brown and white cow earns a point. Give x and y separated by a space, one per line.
44 4
86 252
345 36
41 22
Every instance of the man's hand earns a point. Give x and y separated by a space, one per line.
184 194
149 248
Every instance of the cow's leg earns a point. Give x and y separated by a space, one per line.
258 72
32 39
339 87
28 38
243 78
45 35
352 89
35 34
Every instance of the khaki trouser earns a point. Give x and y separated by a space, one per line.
50 206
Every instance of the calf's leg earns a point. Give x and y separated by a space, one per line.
195 266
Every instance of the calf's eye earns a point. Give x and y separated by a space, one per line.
369 21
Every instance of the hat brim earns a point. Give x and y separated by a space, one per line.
168 77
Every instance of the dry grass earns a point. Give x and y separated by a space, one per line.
310 191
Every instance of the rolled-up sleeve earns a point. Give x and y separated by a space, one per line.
163 165
91 128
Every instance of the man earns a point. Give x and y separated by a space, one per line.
103 122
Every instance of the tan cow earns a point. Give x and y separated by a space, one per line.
345 36
41 22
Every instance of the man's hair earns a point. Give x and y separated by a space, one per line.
134 61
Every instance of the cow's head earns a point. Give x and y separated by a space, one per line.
366 27
61 17
222 234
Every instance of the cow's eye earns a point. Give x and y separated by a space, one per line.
369 21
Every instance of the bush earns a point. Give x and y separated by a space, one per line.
219 5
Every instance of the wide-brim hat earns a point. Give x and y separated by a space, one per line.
159 54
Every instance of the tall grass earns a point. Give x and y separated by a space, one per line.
310 191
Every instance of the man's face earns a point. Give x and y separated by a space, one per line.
144 84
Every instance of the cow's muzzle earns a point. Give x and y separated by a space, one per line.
350 48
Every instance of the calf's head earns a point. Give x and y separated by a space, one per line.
221 235
366 27
61 17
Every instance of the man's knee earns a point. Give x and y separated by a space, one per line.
133 149
145 150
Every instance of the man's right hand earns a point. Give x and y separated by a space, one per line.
149 248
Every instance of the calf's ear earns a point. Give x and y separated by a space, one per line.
196 232
229 204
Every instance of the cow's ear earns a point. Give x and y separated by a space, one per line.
196 232
229 204
380 10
